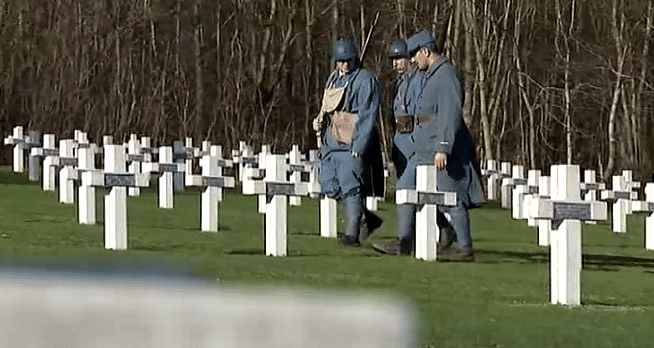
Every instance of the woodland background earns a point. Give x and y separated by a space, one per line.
561 81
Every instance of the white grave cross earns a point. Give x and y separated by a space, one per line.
566 210
49 149
647 206
213 183
117 180
17 140
590 187
295 159
621 193
509 182
427 197
167 167
276 189
493 175
67 162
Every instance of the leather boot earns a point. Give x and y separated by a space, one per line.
371 224
354 210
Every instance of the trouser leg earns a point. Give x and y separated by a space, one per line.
354 209
460 222
447 233
406 222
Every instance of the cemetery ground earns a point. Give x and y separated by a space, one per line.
500 300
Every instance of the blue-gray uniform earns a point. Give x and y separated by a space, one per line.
404 109
362 97
440 129
346 171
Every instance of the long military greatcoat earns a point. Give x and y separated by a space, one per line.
363 97
440 106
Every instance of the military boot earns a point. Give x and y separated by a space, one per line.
354 210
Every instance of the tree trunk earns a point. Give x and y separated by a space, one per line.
613 142
481 83
199 91
636 103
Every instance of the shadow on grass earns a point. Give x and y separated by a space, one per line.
158 247
246 252
10 178
598 261
617 260
492 205
261 252
305 233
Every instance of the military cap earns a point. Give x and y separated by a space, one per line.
423 38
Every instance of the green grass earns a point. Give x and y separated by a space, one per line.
501 300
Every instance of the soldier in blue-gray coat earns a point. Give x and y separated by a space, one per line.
442 139
409 83
404 105
349 140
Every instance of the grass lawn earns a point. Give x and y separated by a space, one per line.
501 300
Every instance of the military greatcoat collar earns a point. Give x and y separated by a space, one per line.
434 67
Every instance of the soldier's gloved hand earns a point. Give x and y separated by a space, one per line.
317 123
355 154
440 161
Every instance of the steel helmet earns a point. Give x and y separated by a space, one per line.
344 49
398 49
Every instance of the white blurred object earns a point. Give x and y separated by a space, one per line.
84 310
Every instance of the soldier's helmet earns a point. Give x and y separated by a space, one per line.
344 49
398 49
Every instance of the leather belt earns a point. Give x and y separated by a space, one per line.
404 124
424 118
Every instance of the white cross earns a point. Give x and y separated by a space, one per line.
17 140
185 155
276 189
66 162
167 167
49 149
328 206
261 159
147 150
508 183
372 202
427 198
212 181
621 194
590 187
34 163
134 158
494 175
295 158
117 180
519 187
647 206
86 193
544 225
566 210
107 140
522 192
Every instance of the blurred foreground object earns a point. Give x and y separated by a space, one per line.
45 308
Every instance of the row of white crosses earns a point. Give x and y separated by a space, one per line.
494 176
622 194
21 146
